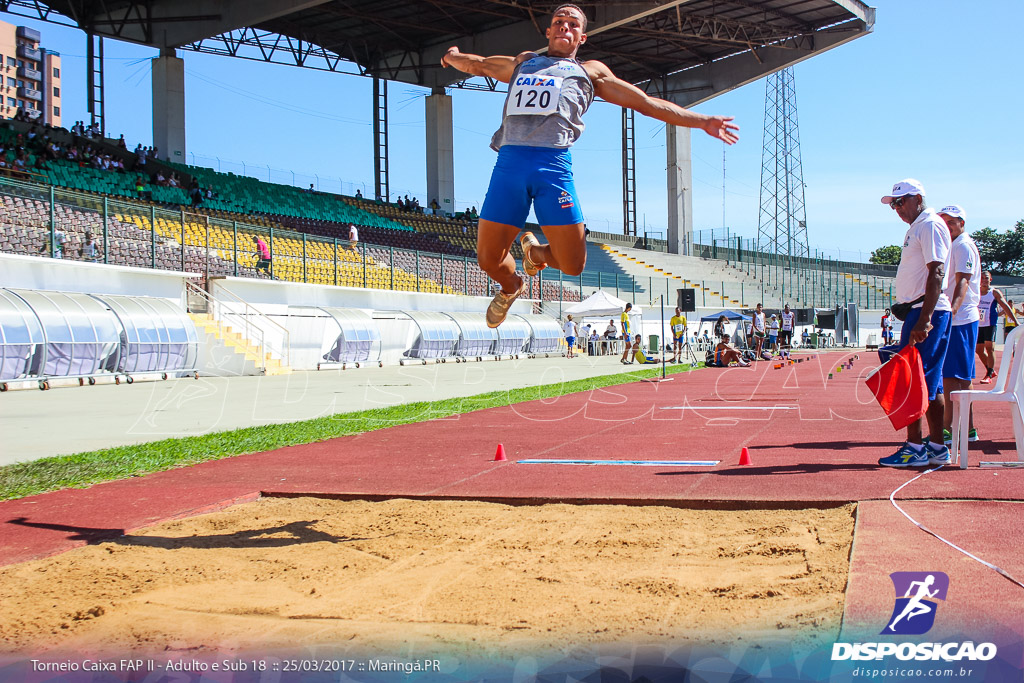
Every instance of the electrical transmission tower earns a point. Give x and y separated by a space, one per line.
782 224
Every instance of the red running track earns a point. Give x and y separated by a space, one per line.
819 445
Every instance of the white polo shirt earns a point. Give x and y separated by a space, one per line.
926 241
569 328
964 258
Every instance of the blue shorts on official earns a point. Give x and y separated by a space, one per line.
959 363
932 349
538 175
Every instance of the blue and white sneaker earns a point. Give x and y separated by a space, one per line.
906 457
937 456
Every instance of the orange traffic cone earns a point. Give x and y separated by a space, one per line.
745 457
499 455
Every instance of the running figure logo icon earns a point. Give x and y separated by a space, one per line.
917 596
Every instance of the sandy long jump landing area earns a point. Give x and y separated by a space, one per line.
431 577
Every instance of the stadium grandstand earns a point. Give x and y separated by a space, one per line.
147 211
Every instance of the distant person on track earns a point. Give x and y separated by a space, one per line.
569 328
757 325
964 292
773 333
988 314
887 327
626 331
640 357
543 116
678 326
725 354
788 326
921 281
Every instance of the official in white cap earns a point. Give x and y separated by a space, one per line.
964 292
921 284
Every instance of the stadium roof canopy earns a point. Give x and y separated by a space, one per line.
684 50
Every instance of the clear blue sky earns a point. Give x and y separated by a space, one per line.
935 92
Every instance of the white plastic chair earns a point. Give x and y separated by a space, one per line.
1006 390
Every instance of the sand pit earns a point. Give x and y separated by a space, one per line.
430 577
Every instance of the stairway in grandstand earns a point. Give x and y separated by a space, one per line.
721 284
247 360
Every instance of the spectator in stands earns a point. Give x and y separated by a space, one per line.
473 214
359 194
89 251
160 179
121 142
311 189
174 180
57 249
725 354
262 256
353 236
550 131
195 193
140 189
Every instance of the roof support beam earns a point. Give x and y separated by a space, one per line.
173 24
693 86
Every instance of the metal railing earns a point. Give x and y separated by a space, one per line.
249 320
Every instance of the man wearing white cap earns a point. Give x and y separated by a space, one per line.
964 292
921 283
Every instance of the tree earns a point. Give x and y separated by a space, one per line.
1002 253
887 255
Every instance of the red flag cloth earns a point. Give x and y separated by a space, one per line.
900 388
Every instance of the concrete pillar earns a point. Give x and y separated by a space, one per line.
440 151
169 106
680 189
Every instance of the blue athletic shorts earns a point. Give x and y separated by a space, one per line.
541 175
959 362
932 349
570 340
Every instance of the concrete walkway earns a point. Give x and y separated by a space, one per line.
38 424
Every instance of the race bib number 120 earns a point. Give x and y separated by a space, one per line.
536 95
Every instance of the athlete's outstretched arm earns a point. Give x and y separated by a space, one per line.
497 67
613 89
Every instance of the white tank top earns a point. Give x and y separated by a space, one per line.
986 307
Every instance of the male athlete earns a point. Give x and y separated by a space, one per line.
543 116
678 325
990 301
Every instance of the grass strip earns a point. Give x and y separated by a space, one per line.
108 464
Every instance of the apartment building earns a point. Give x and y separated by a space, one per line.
30 75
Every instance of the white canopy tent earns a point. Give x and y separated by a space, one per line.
598 305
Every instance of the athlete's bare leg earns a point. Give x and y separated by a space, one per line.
566 249
494 241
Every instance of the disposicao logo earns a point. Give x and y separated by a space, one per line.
917 596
